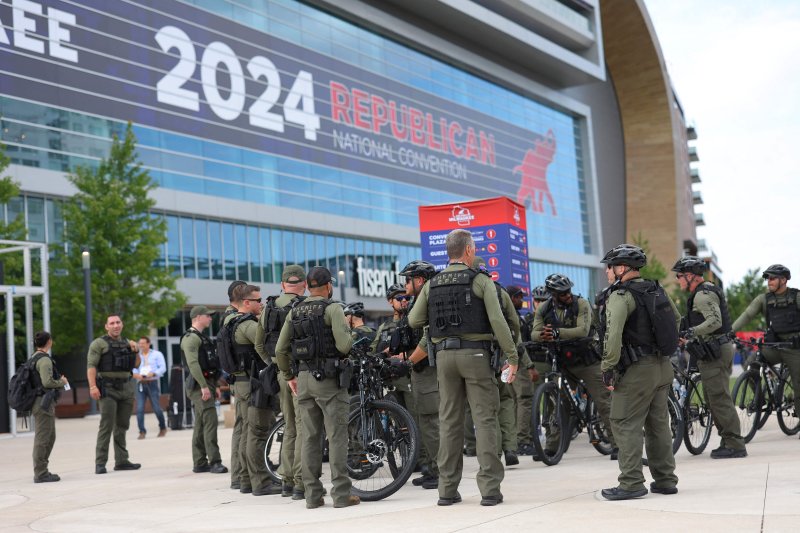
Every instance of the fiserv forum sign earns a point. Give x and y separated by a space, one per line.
170 65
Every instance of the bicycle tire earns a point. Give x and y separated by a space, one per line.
697 419
383 444
675 423
598 433
544 420
788 418
273 450
747 401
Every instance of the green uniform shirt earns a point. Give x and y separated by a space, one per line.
45 368
261 335
481 286
619 306
759 306
334 317
190 346
98 347
707 304
582 327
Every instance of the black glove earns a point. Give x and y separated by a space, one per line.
687 334
608 378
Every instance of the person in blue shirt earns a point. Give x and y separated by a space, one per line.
148 374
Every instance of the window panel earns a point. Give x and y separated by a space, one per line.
36 223
203 257
188 248
215 240
241 253
228 251
254 253
267 257
173 246
277 254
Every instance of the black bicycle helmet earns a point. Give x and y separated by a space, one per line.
777 270
625 254
418 268
394 290
540 293
558 283
355 308
690 264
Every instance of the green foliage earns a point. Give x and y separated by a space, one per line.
110 215
14 229
655 269
739 296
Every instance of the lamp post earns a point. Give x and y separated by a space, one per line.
341 285
87 300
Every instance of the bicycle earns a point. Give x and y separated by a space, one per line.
558 407
687 391
762 389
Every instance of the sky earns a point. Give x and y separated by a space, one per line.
735 66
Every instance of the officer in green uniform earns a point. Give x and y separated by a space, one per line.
707 338
110 361
322 402
464 316
638 373
780 306
48 381
354 313
522 388
536 352
567 317
273 316
424 377
199 356
257 420
236 468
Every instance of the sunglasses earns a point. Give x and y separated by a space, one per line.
252 299
680 276
402 298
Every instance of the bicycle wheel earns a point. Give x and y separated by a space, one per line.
382 449
747 399
272 451
675 423
788 418
697 420
598 433
550 421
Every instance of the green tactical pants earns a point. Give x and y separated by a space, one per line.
791 360
259 422
44 437
323 406
716 376
205 449
593 379
115 418
241 391
506 429
640 401
465 374
290 469
425 390
522 391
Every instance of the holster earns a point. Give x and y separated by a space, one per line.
101 386
345 369
629 355
496 360
48 399
704 351
431 356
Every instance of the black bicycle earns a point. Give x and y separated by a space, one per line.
762 389
687 391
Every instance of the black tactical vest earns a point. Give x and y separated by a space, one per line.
578 351
783 317
312 340
274 319
118 358
206 354
37 379
638 330
385 337
246 352
696 318
363 332
453 308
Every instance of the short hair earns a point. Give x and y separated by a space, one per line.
41 338
457 242
244 291
109 315
146 338
232 287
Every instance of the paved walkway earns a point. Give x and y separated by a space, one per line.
759 493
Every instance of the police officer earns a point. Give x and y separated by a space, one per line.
354 313
110 360
47 380
256 419
315 337
199 356
536 352
641 379
273 316
424 378
707 339
780 306
464 316
522 388
567 317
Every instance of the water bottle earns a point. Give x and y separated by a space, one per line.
218 407
580 400
506 373
676 387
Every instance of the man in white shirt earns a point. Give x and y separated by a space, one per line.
148 374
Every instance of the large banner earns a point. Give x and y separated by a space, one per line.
501 237
170 65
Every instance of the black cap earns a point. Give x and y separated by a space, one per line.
232 286
318 276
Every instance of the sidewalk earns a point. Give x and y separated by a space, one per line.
759 493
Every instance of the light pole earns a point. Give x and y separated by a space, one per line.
341 285
87 300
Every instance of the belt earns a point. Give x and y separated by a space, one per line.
456 343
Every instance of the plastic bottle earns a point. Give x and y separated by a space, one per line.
506 373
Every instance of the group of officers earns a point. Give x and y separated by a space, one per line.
457 331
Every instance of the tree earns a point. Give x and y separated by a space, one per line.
739 296
14 229
110 214
655 269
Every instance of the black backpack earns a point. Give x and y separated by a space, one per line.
229 360
654 299
25 386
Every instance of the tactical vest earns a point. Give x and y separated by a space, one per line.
274 319
246 353
696 318
651 327
118 358
37 379
206 354
454 309
525 322
312 340
385 337
783 317
363 331
581 350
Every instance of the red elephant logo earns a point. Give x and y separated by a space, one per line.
533 172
